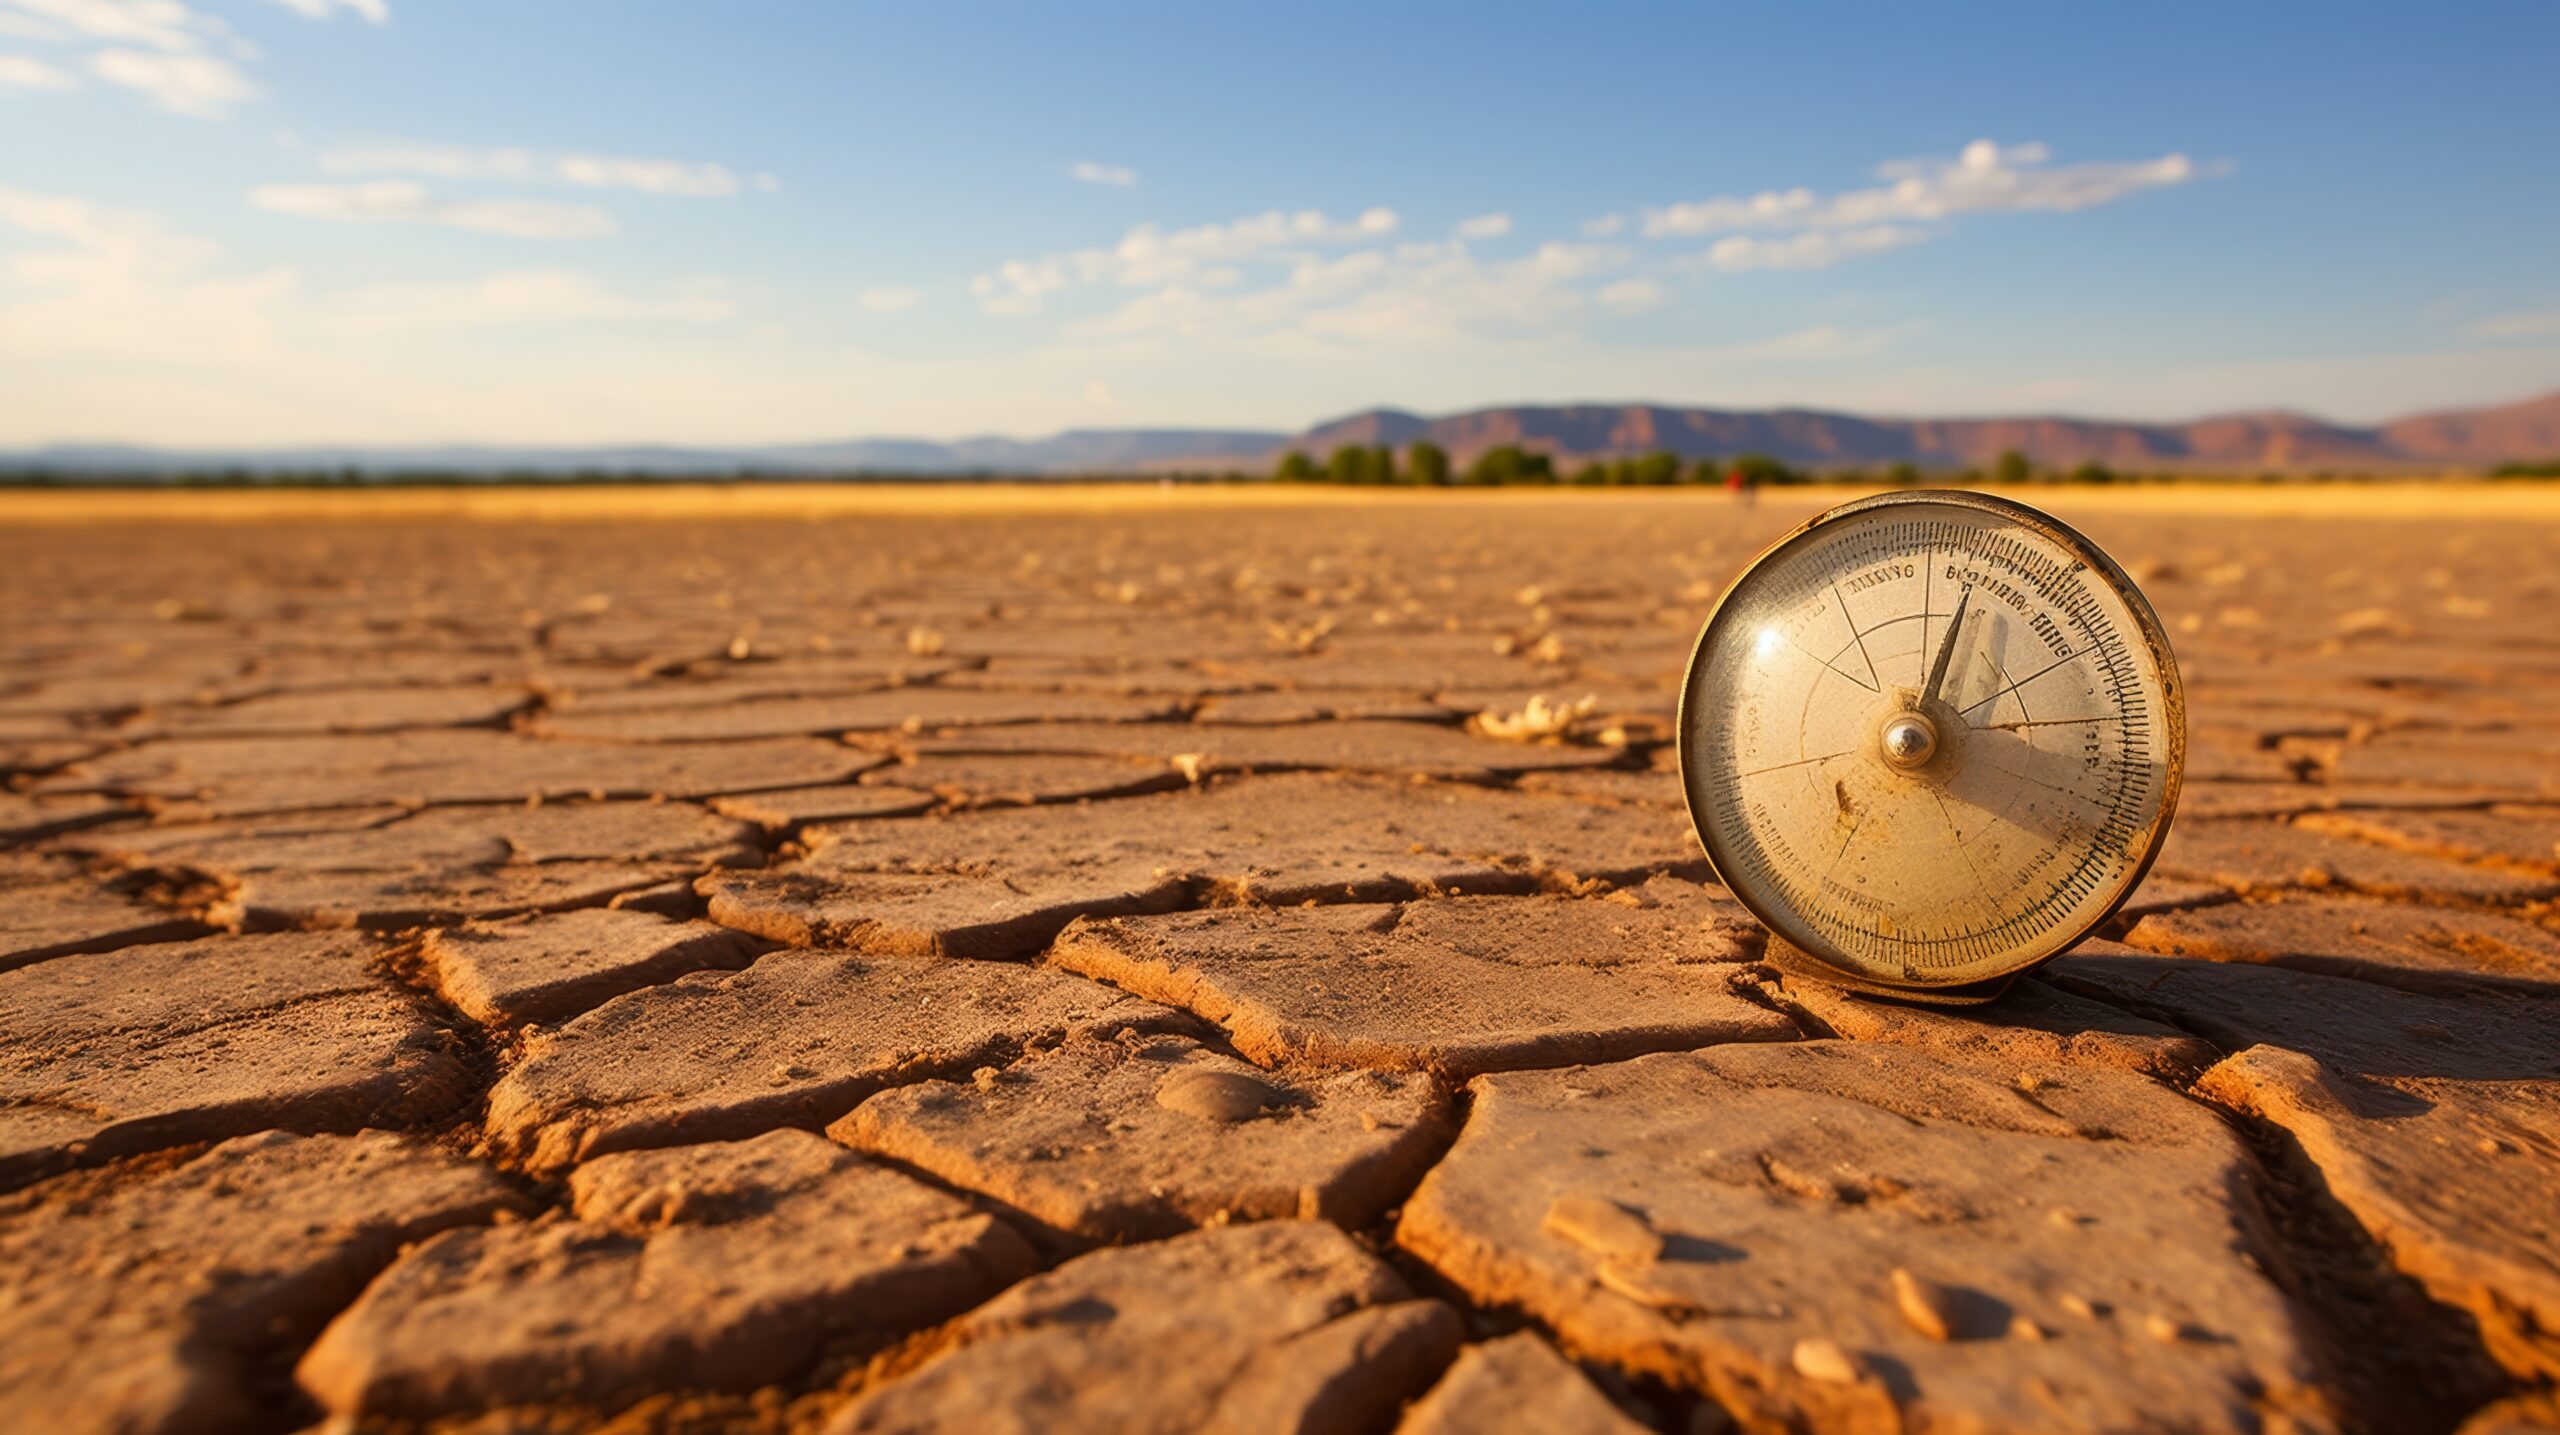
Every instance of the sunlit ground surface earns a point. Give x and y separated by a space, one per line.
892 958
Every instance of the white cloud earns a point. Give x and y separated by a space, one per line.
2542 324
515 165
1112 174
526 296
1604 226
1413 296
1485 226
889 301
1812 249
197 85
1985 177
160 24
26 72
1099 394
28 27
374 10
649 176
1148 256
127 239
108 305
1630 296
397 201
436 161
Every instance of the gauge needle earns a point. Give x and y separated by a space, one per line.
1946 648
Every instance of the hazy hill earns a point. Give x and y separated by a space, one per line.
2249 442
2464 437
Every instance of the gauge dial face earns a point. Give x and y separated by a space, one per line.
1932 738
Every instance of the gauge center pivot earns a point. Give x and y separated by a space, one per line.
1908 740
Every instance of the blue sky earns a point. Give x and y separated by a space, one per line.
572 221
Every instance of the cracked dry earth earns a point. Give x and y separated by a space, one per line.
1080 971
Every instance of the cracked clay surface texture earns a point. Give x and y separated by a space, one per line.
1220 965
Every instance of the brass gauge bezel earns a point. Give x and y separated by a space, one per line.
1794 942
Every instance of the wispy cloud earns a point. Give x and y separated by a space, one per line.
649 176
1112 174
514 165
1484 226
202 86
2536 324
526 297
1405 297
1812 249
397 201
160 49
1630 296
160 24
26 72
433 160
1148 255
889 301
374 10
117 285
1985 177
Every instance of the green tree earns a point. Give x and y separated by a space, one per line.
1655 470
1509 463
2012 467
1382 464
2090 471
1708 470
1904 474
1591 475
1349 464
1295 467
1427 463
1760 470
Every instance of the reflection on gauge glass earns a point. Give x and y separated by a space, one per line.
1932 738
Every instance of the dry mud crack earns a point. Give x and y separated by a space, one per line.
1121 968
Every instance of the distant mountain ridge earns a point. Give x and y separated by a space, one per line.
2451 438
1817 438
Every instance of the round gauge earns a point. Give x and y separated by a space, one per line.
1931 739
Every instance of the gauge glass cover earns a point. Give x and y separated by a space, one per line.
1932 738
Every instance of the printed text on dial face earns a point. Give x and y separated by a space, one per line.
2036 811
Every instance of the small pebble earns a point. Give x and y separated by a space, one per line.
1220 1096
1927 1305
1825 1361
1603 1227
2084 1307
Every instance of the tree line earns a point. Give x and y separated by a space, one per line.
1426 465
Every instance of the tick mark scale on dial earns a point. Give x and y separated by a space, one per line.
2022 682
